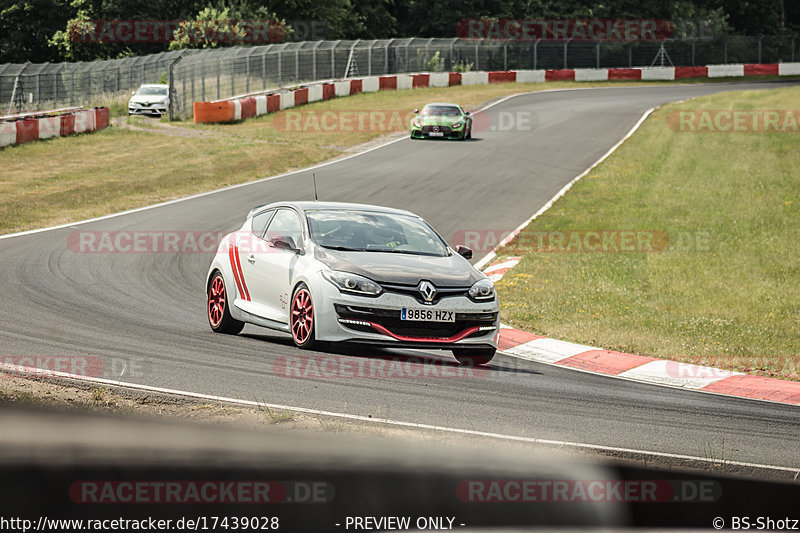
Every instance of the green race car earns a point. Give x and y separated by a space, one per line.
447 121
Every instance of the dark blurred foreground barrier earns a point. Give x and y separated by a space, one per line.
71 465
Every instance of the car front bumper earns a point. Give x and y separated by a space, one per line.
376 320
419 133
157 109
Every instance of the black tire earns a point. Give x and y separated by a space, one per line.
219 317
467 357
469 133
302 325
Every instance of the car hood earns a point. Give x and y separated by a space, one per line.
438 120
136 99
402 269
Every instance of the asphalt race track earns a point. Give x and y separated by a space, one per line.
147 311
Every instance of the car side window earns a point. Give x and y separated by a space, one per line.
285 223
260 222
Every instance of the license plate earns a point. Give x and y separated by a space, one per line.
436 134
427 315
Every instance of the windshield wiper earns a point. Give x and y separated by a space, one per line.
407 252
343 248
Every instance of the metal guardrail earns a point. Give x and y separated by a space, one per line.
214 74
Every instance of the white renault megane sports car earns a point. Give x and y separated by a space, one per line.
349 272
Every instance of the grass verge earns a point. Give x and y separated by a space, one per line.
67 179
726 290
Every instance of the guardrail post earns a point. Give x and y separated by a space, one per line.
505 56
761 38
566 43
725 51
693 41
535 52
173 99
477 66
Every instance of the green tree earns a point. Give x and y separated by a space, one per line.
25 27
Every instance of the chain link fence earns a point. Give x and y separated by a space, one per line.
214 74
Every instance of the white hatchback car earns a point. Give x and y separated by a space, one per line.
349 272
150 99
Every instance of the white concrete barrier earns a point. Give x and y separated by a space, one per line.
530 76
658 73
439 79
404 82
789 69
261 105
49 127
474 78
591 74
315 93
721 71
342 88
8 133
371 84
287 100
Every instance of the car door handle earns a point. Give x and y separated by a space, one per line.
251 259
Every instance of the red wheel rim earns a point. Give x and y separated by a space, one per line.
216 301
302 316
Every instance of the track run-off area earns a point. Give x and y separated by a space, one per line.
141 316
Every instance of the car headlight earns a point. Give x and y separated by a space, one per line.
482 290
352 283
457 125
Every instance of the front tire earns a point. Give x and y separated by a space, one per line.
219 317
467 357
302 317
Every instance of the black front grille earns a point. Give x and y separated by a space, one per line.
443 129
413 291
390 319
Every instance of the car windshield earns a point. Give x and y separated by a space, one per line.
441 110
152 91
367 231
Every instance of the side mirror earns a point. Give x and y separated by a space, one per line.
133 92
416 111
467 113
464 252
285 243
